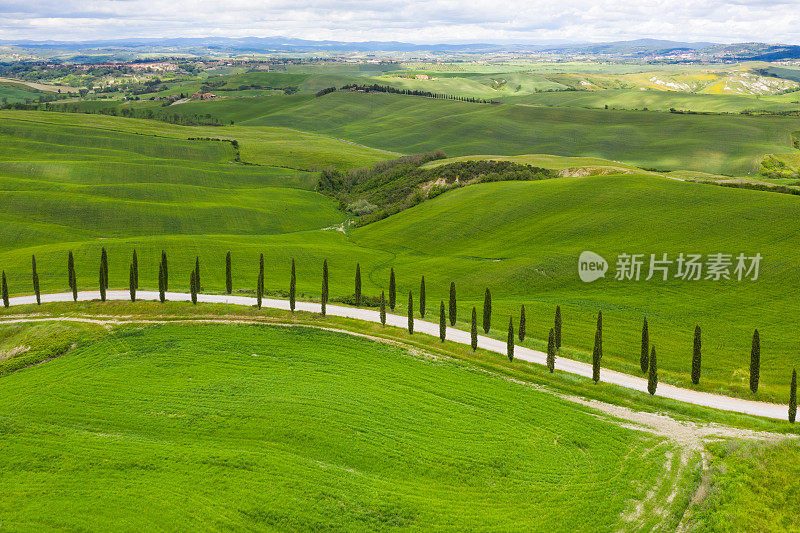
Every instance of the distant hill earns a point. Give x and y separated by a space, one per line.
651 49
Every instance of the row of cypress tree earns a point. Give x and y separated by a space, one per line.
755 356
648 358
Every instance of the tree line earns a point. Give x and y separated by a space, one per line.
181 119
409 92
376 192
447 315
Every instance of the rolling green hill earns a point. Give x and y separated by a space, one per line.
68 182
522 241
79 182
717 144
17 92
291 428
267 146
657 101
286 425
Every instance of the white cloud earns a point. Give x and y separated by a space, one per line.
411 21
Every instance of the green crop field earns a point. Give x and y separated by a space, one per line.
709 143
159 423
291 428
113 183
17 92
562 123
446 239
79 182
752 488
659 101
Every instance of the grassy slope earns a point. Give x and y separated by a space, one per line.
525 240
65 182
291 428
752 488
17 92
655 100
523 244
277 147
554 162
719 144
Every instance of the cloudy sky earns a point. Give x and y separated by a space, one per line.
410 20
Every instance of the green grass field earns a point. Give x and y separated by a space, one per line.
81 182
485 248
291 428
717 144
268 427
752 488
554 162
658 101
114 183
11 93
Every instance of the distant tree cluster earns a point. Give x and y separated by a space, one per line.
411 92
375 192
326 90
128 112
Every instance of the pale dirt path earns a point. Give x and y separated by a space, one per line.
716 401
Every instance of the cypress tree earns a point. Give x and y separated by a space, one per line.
793 398
73 282
324 298
442 323
132 283
600 333
487 311
755 362
166 272
551 350
597 353
4 290
103 277
383 309
197 273
410 312
292 288
358 285
510 340
644 358
422 297
696 356
260 281
392 290
135 265
522 326
104 266
36 280
652 375
228 274
557 327
474 329
161 293
452 303
102 284
193 285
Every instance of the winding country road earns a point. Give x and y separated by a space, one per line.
716 401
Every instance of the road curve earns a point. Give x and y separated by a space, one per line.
705 399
